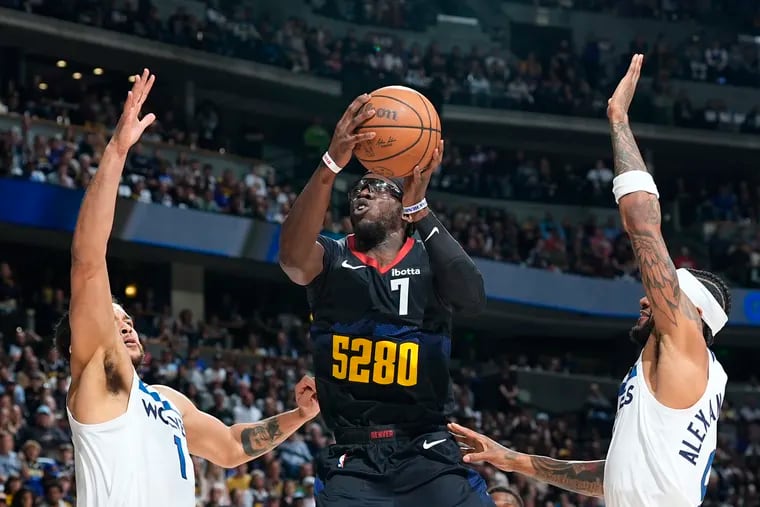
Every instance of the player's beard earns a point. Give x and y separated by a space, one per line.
370 233
137 361
640 333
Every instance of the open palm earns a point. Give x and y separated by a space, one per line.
618 104
130 126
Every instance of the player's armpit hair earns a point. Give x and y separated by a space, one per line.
458 280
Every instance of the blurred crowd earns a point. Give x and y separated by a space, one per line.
241 367
743 13
592 246
556 80
555 243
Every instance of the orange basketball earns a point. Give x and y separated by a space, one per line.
407 131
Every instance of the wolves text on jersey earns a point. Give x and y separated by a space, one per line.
161 410
698 429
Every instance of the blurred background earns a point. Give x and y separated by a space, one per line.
246 97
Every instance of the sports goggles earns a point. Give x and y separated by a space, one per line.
376 186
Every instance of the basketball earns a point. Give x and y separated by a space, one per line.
407 131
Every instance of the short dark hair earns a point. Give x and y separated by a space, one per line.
62 334
508 491
719 291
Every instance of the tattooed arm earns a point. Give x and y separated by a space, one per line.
674 315
230 446
584 477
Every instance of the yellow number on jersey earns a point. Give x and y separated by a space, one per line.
382 362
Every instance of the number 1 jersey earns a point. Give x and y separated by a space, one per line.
382 339
139 459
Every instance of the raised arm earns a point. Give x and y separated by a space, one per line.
674 315
458 281
584 477
91 314
300 254
230 446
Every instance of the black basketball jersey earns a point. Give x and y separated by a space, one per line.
382 339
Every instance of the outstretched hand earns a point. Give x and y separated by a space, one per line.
130 126
478 448
618 104
306 397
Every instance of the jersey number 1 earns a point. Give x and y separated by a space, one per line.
401 285
181 454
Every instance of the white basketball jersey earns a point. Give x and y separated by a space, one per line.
658 456
139 459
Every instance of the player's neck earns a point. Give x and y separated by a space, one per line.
383 251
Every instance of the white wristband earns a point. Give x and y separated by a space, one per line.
330 163
633 181
414 208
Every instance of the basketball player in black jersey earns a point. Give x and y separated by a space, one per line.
382 304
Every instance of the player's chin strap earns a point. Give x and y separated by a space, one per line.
712 312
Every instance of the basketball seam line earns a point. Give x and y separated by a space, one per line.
369 127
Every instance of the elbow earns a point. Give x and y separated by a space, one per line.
295 273
639 212
472 300
228 462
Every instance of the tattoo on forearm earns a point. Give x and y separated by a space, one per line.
586 478
627 155
658 274
261 437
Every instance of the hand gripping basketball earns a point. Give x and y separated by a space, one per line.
345 138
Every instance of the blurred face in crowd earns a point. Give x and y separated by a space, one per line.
6 443
504 499
375 209
127 333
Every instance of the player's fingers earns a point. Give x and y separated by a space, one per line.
148 120
364 115
309 381
146 89
355 106
362 136
436 160
129 103
477 457
458 429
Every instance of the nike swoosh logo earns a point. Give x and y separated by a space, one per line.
349 266
434 231
426 445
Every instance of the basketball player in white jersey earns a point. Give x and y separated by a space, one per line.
665 432
132 441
